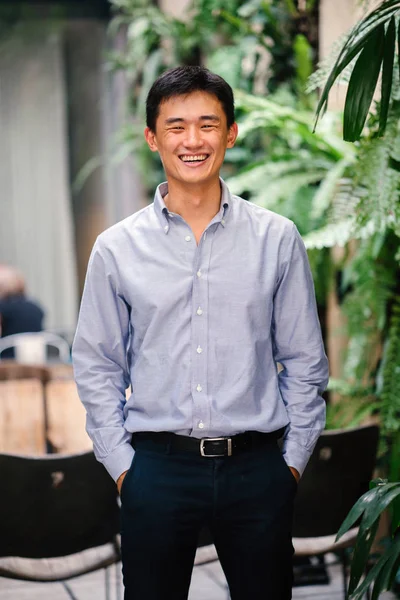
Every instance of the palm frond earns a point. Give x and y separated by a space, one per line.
367 34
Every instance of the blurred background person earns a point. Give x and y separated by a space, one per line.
18 314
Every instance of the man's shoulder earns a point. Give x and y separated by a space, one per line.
125 229
262 216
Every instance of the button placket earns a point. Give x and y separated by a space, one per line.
199 335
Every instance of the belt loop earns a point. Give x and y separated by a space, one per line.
229 442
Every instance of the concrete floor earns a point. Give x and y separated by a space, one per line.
208 583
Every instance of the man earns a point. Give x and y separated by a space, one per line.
192 301
18 313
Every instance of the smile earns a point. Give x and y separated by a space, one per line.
193 158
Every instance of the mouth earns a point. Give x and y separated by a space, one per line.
193 160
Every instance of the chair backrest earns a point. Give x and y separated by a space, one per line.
22 417
338 473
32 348
55 505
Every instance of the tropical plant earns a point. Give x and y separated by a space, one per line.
369 508
372 42
259 44
284 166
370 271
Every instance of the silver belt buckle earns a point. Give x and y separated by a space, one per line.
218 439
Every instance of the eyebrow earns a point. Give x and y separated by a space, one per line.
173 120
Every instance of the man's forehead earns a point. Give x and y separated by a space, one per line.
191 103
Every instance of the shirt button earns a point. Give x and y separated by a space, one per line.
188 238
201 425
199 388
198 273
199 311
204 235
223 221
199 350
166 228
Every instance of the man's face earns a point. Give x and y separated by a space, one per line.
191 137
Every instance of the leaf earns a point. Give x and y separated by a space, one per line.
359 592
332 234
85 172
303 61
382 573
327 188
387 74
235 21
356 512
356 41
362 85
379 503
398 47
291 8
384 579
361 553
374 502
363 412
367 500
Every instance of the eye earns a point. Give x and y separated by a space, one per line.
207 126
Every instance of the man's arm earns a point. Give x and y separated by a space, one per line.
100 362
298 346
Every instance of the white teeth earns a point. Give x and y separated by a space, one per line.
199 158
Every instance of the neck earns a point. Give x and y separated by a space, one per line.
194 203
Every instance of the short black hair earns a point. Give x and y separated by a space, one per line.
184 80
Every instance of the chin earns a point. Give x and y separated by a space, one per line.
197 177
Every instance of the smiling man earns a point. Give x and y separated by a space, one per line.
192 301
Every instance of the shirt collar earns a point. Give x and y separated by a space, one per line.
161 209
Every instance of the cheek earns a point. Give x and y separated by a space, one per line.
219 144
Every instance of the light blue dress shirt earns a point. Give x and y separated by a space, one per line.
197 331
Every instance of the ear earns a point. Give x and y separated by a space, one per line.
232 135
150 137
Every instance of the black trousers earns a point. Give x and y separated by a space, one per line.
247 502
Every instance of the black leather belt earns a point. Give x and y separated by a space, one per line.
207 447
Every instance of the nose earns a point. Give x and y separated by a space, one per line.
193 138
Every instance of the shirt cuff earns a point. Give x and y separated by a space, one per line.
295 455
119 460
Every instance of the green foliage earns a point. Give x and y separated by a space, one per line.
355 407
368 202
370 507
370 281
368 285
390 373
256 46
373 39
359 97
288 165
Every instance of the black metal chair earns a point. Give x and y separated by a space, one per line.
59 519
338 473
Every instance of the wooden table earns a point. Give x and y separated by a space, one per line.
40 410
22 419
66 418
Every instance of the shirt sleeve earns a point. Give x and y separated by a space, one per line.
298 347
99 356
